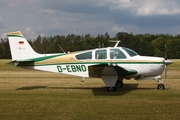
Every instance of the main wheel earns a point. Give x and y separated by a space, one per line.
160 86
119 84
112 88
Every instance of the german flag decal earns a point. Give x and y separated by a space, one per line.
21 42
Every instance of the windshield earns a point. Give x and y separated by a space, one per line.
130 52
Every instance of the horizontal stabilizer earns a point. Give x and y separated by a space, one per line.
24 63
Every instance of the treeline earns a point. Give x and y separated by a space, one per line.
144 44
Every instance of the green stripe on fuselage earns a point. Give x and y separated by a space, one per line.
100 63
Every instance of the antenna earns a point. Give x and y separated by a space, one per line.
165 47
102 45
61 48
117 42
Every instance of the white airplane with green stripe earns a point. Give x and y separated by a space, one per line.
111 64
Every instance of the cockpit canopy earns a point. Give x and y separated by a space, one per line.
107 53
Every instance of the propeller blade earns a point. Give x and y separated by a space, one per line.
166 62
165 72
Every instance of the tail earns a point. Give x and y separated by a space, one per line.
20 48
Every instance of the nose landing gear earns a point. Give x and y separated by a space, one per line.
160 86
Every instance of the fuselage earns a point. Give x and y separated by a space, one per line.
119 56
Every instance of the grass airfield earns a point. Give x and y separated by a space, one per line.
29 94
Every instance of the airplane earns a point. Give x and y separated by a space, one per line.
111 64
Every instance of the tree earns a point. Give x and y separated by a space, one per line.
37 45
4 49
45 45
144 44
159 46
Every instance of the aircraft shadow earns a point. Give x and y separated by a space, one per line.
120 91
100 91
31 87
97 91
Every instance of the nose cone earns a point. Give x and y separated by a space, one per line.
168 62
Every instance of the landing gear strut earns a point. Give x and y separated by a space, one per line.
160 86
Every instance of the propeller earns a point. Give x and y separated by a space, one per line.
166 62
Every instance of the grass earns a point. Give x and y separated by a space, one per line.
28 94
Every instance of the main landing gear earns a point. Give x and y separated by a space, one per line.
119 84
112 88
160 86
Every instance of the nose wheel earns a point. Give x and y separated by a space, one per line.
160 86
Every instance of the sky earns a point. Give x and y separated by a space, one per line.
80 17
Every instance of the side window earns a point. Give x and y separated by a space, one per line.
84 56
117 54
101 54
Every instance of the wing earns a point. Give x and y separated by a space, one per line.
124 72
96 70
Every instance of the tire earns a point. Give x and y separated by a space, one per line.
111 88
161 86
119 84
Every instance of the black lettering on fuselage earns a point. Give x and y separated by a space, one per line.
72 68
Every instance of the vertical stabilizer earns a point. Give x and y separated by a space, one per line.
20 48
